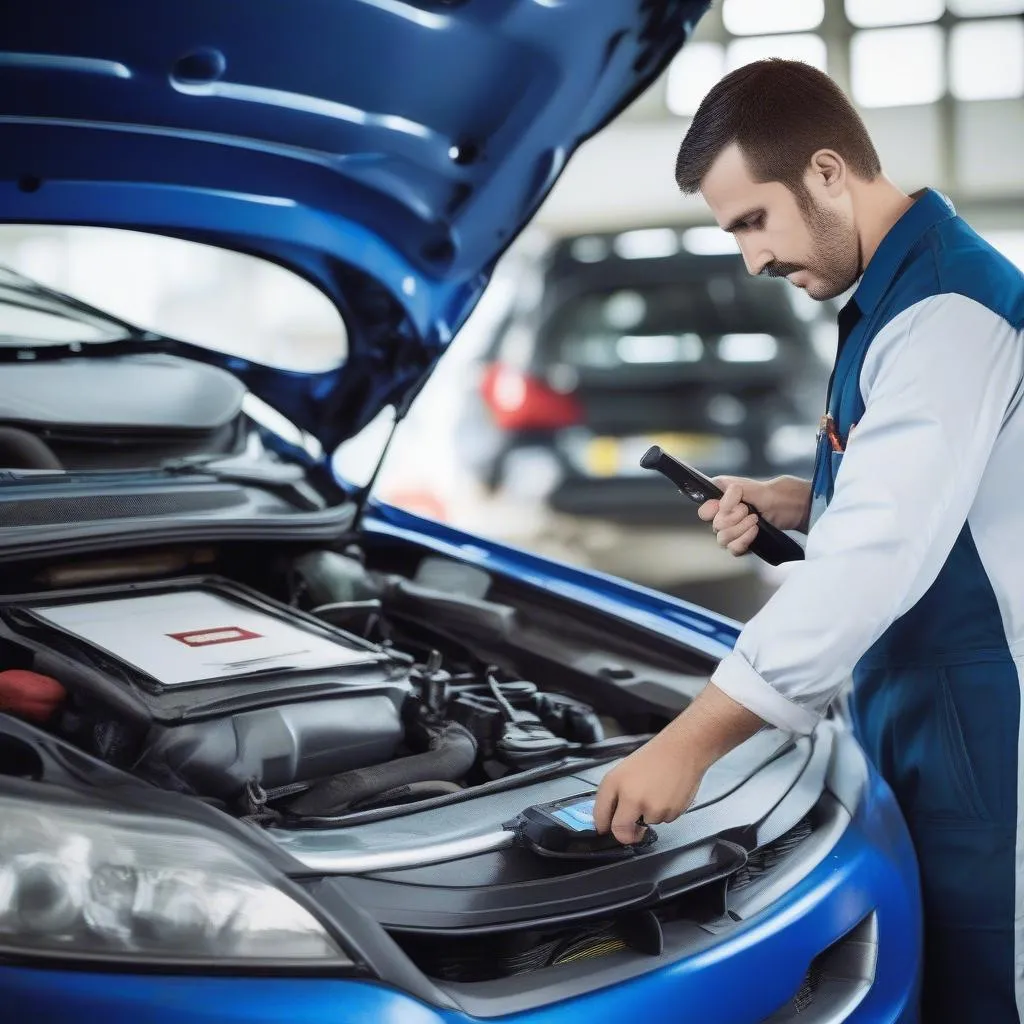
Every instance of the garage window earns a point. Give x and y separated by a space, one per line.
892 67
755 17
876 13
809 48
692 75
985 8
986 59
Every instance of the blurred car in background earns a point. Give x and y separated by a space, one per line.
620 341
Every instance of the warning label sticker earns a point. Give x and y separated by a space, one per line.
221 635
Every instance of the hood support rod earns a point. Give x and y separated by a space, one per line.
401 411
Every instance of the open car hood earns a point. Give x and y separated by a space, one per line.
388 150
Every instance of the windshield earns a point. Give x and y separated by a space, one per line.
33 314
70 292
222 300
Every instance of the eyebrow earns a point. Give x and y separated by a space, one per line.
737 222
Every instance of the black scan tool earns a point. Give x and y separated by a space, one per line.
565 828
771 543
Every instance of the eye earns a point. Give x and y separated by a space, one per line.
754 223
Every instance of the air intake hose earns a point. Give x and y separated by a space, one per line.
450 754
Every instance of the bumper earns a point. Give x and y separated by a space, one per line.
742 980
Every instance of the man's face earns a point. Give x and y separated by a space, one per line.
813 244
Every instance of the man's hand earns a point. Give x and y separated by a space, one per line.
785 502
659 781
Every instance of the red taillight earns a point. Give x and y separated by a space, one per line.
520 402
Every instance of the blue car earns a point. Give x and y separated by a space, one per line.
269 750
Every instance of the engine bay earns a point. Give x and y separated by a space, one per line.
335 692
373 719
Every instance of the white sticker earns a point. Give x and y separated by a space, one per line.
190 635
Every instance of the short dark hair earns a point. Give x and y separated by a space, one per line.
779 113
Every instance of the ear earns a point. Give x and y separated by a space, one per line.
828 170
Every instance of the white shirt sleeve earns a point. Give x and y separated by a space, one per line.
939 381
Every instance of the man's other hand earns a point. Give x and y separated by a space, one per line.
785 502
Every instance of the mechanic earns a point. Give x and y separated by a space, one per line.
913 582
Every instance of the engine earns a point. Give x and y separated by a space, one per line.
209 688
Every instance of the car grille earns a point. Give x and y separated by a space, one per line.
768 857
502 954
837 980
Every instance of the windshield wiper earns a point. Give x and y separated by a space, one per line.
13 350
19 290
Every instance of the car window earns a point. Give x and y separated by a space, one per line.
222 300
20 324
715 319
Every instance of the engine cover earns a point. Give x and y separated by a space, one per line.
208 686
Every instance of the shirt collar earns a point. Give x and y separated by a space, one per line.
929 208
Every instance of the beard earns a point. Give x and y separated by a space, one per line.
834 263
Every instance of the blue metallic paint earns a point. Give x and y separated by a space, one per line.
371 145
740 981
705 631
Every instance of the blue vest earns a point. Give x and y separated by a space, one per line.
936 700
929 251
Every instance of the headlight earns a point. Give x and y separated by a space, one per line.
78 882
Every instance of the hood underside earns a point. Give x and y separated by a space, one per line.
389 151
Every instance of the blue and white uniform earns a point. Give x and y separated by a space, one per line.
914 584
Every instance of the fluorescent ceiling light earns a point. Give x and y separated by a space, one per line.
747 348
894 67
647 243
757 17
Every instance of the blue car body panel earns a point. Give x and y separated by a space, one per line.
388 150
710 634
741 981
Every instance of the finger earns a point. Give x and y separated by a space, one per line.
731 498
724 520
734 533
741 545
624 821
708 510
654 816
604 804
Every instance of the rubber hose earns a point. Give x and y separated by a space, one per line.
450 755
411 791
514 780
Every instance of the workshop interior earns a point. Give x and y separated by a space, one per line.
356 402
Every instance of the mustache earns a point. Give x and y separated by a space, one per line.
777 269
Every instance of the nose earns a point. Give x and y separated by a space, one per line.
754 259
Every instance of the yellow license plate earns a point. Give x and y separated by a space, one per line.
615 456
